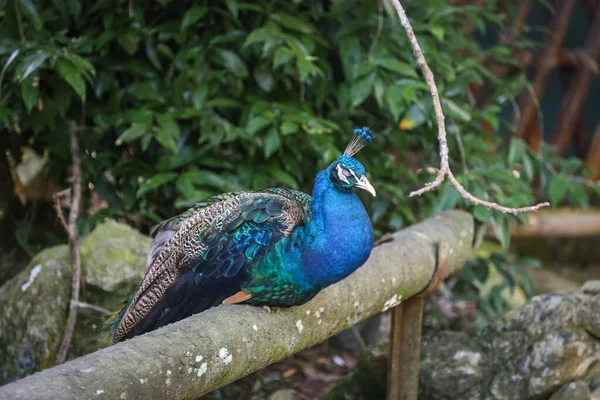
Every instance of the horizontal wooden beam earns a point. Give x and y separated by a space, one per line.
560 223
206 351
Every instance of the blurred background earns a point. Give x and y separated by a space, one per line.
175 101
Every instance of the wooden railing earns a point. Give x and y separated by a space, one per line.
206 351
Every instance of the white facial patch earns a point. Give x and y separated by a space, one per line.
341 175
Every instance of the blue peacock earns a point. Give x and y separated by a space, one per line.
275 247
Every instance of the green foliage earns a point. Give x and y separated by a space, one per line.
496 281
177 101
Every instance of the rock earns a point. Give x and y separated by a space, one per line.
34 304
573 391
113 253
591 286
33 313
114 261
534 351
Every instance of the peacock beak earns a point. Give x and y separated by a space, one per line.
364 183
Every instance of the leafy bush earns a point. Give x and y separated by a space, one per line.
176 101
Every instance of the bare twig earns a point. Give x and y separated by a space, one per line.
444 170
359 338
379 28
80 304
58 198
73 235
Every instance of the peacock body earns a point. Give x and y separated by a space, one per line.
275 247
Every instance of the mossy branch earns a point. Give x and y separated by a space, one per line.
206 351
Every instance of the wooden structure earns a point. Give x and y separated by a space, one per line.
206 351
578 68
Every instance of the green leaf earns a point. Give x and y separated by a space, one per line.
447 200
272 142
528 166
557 189
288 127
570 165
152 55
393 98
578 196
5 115
361 90
284 178
224 103
74 7
168 123
165 139
530 262
169 132
146 91
516 151
482 214
394 65
155 182
438 32
282 56
501 227
30 91
72 76
234 63
135 132
32 13
129 40
456 111
292 23
10 60
260 35
305 68
362 69
207 178
81 64
30 64
192 16
257 124
264 79
199 96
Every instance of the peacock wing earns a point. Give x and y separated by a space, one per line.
214 242
166 229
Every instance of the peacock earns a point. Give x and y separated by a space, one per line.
275 247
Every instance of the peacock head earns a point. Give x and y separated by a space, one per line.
347 172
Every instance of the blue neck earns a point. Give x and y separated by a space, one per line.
339 237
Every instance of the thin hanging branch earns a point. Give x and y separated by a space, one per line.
444 170
71 228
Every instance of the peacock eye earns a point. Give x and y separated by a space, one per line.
346 172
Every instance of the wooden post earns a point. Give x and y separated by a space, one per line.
405 336
405 350
394 367
592 160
